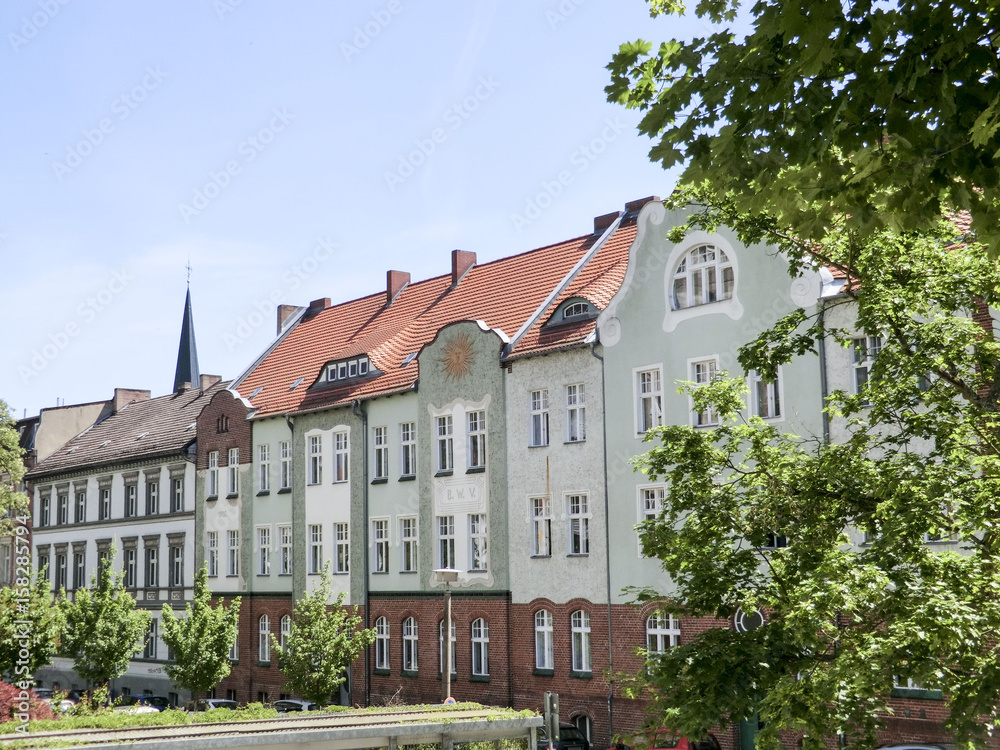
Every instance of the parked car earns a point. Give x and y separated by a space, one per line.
45 694
668 741
289 705
206 704
916 746
570 738
154 702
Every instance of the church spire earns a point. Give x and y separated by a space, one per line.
187 352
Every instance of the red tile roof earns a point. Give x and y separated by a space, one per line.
502 293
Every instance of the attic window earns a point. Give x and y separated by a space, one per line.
296 384
409 358
348 369
256 390
575 310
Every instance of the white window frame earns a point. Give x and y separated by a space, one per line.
444 433
576 413
411 644
284 550
651 498
478 542
212 553
232 552
708 272
864 351
453 640
380 545
768 392
263 550
648 397
264 639
341 456
315 459
177 495
538 425
285 451
380 445
663 632
62 509
152 566
578 517
213 474
382 643
580 640
176 566
342 542
131 500
476 455
80 513
263 467
408 544
152 498
544 651
152 635
233 470
286 631
701 371
316 561
130 567
540 512
104 509
445 526
480 641
408 449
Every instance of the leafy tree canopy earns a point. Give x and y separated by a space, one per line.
324 640
201 640
27 620
877 114
11 470
103 629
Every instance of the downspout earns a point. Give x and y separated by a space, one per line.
363 416
607 545
822 371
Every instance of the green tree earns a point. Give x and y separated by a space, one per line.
103 629
921 457
200 640
879 115
27 621
12 502
323 641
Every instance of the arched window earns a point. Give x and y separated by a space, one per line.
543 640
454 669
580 629
662 632
575 310
381 643
286 630
585 725
704 275
264 639
480 647
410 645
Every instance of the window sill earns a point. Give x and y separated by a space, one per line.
232 495
336 573
479 678
407 478
541 557
263 493
339 481
379 671
212 497
286 575
380 572
446 473
408 572
581 675
454 677
538 672
380 480
540 445
410 673
265 664
284 490
918 693
577 554
574 442
475 470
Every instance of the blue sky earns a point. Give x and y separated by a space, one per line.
291 150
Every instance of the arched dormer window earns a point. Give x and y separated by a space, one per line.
575 310
704 275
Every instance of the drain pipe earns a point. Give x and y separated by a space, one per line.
359 412
607 546
822 371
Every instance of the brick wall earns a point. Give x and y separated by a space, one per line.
233 431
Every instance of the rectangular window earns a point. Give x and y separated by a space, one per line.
177 495
315 459
340 456
408 547
233 553
131 500
578 513
233 470
477 541
380 546
81 507
286 464
43 566
176 566
213 474
380 442
285 543
79 570
576 413
540 417
149 651
129 560
652 502
343 539
62 510
263 550
541 527
152 567
315 548
409 645
766 396
477 439
152 498
212 553
446 541
864 350
650 394
445 447
43 512
702 373
408 446
60 571
104 504
263 468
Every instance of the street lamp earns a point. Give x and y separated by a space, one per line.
447 576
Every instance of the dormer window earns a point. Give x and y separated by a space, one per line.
575 310
703 276
358 367
572 310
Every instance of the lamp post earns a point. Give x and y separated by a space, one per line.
447 576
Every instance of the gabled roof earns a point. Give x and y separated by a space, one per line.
504 294
143 429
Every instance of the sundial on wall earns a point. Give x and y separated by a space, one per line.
458 357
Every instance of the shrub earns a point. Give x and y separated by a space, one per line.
11 703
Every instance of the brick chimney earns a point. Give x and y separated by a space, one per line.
284 312
637 205
207 381
126 396
318 305
603 222
395 282
461 262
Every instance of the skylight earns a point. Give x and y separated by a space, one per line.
409 358
142 435
106 442
296 384
256 390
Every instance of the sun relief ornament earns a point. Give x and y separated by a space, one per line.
458 357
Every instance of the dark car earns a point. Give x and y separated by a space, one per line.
285 706
570 738
207 704
153 701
